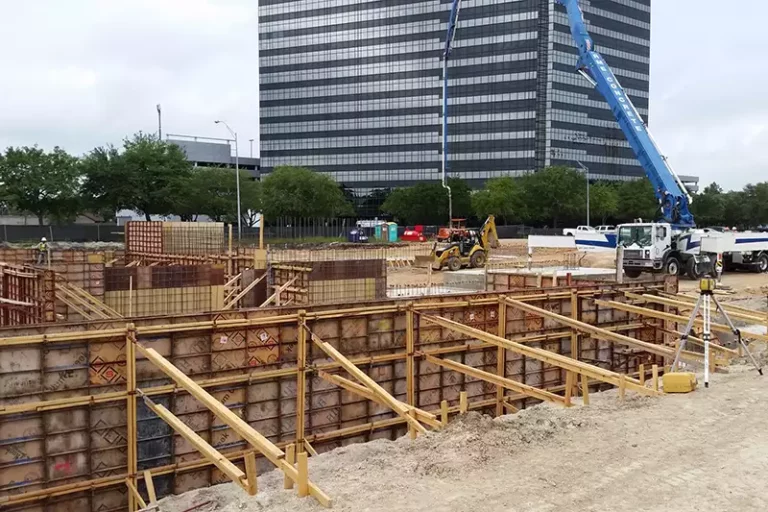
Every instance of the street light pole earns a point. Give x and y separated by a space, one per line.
237 179
586 173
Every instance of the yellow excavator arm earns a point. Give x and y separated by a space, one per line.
489 237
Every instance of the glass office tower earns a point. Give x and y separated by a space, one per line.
353 88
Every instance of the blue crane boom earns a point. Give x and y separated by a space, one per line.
670 191
453 21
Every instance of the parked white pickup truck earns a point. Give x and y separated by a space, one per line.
580 229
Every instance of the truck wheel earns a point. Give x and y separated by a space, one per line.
672 266
478 259
762 263
633 272
693 269
454 264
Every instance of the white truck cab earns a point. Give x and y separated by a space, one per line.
580 229
660 247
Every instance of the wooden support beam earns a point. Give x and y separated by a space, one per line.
278 292
505 383
150 485
463 402
251 474
655 376
244 291
574 332
302 483
501 355
444 412
233 280
133 494
641 371
368 382
310 448
731 309
353 387
290 458
596 332
546 356
622 386
243 429
568 387
130 414
301 379
584 389
201 445
410 394
652 313
688 306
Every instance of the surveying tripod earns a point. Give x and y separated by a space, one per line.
706 296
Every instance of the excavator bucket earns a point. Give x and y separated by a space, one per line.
423 261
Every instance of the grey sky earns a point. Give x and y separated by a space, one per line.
82 73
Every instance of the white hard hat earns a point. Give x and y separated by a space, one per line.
43 239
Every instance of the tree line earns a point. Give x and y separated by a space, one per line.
154 177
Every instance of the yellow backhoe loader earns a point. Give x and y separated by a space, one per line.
467 250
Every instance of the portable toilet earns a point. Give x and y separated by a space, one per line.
392 231
377 232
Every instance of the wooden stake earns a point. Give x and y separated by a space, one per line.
301 380
622 386
290 458
412 431
641 369
250 473
569 381
150 485
133 495
463 405
409 362
130 413
501 355
303 479
444 412
655 376
585 389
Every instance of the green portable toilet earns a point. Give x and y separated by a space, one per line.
392 231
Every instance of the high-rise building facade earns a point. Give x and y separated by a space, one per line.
353 88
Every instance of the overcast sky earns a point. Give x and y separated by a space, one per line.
83 73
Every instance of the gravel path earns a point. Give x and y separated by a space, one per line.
705 451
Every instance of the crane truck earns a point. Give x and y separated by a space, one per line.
673 245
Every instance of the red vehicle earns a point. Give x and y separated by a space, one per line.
414 235
457 231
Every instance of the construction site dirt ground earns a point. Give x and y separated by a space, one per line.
703 451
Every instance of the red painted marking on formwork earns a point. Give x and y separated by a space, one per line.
63 466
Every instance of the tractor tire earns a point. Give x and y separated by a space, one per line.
478 259
454 264
632 273
672 266
692 269
762 263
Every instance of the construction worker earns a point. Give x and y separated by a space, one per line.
42 251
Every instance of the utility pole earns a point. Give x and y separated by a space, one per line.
237 179
586 173
159 123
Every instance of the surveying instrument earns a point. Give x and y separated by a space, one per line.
706 297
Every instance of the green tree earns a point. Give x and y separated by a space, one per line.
107 188
427 203
212 191
46 184
708 207
554 193
603 201
756 202
299 192
637 201
502 197
149 176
